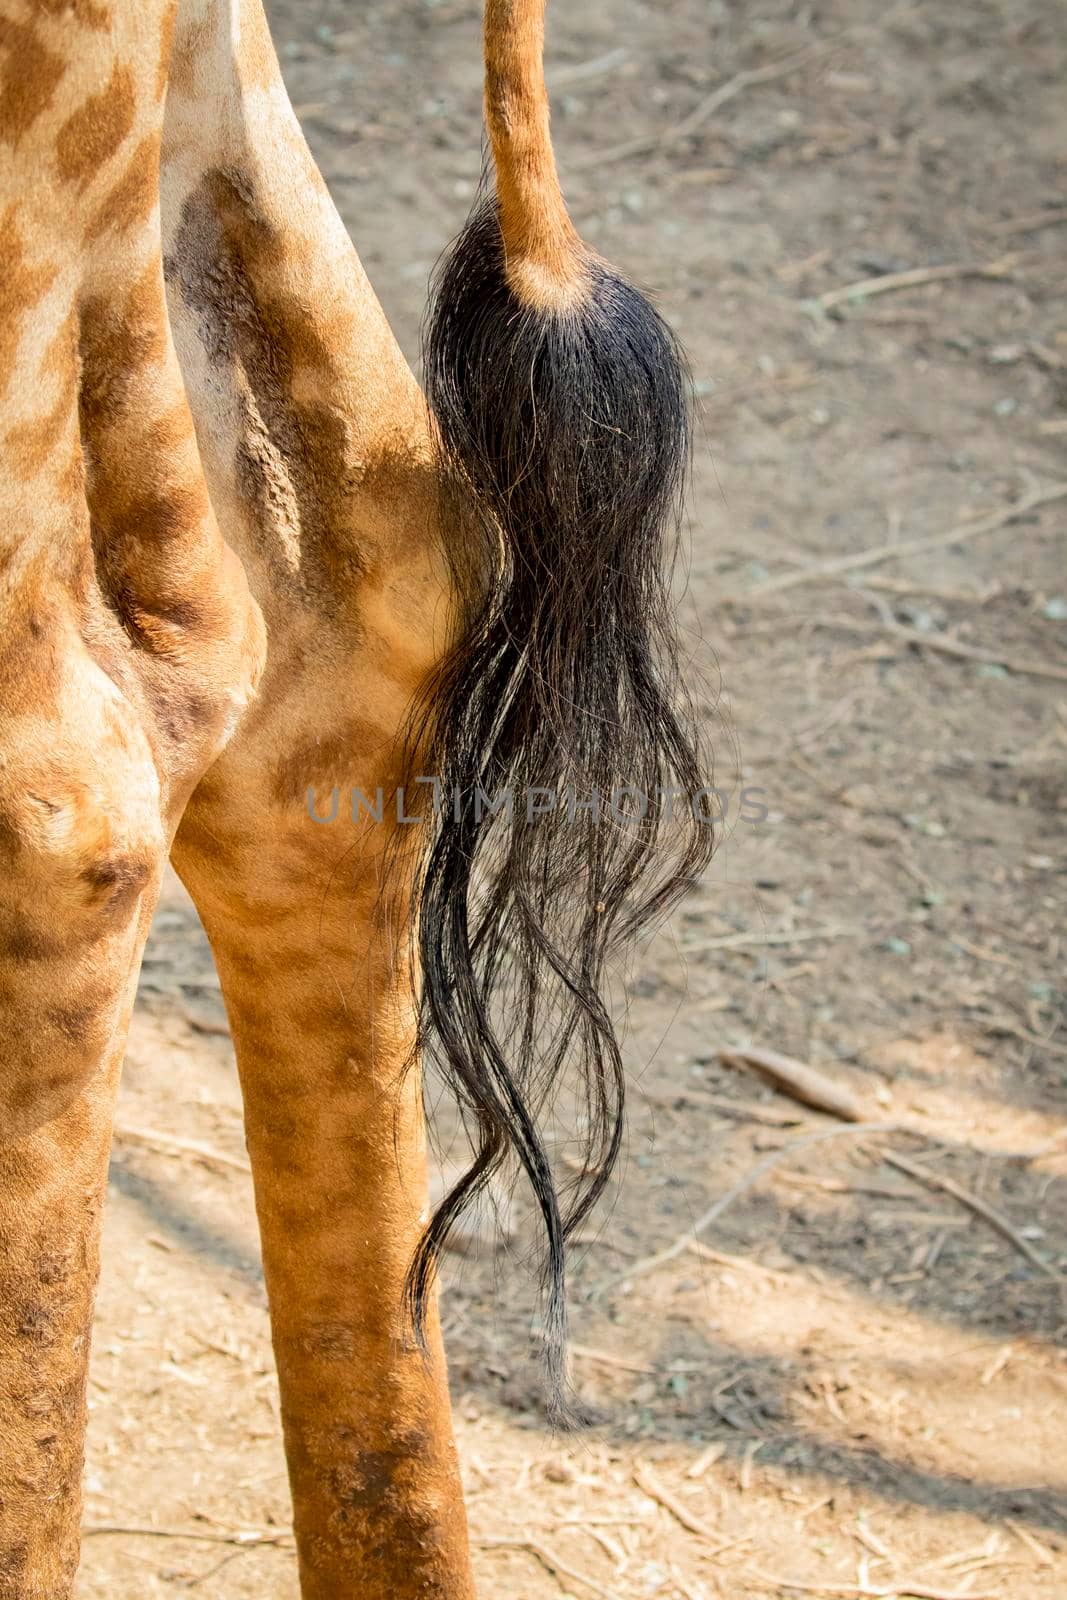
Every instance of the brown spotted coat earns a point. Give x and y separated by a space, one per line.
220 585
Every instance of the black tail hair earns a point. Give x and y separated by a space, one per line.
566 435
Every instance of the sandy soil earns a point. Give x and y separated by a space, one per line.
855 1380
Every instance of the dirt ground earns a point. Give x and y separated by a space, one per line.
852 1381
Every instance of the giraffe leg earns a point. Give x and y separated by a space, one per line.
88 801
85 816
319 454
87 804
128 649
81 848
311 959
51 1196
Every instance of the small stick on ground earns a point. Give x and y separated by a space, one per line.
200 1023
953 647
903 1590
914 278
876 554
746 387
683 1586
650 1485
740 1110
736 1263
644 143
750 1110
996 1220
980 953
247 1540
751 1449
930 591
875 1545
549 1560
604 1358
797 1079
707 1458
760 941
750 78
170 1145
1044 1556
714 1212
814 731
1006 1025
583 71
1029 224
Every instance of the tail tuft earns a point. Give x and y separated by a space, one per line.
574 417
561 401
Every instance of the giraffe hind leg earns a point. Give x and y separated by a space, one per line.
81 850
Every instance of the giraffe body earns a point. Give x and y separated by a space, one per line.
267 398
230 564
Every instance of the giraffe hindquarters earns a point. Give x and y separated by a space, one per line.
310 949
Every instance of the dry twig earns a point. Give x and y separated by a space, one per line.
249 1540
707 1458
1044 1556
1030 223
930 591
583 71
715 1211
914 278
953 647
169 1144
797 1079
549 1560
759 941
644 143
721 1258
891 551
980 952
903 1590
742 1110
604 1358
646 1481
996 1220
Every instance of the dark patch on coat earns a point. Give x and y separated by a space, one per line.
380 1510
22 285
228 264
90 13
130 199
29 73
95 132
117 879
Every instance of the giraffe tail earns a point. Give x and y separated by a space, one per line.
561 402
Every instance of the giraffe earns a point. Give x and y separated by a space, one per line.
237 548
